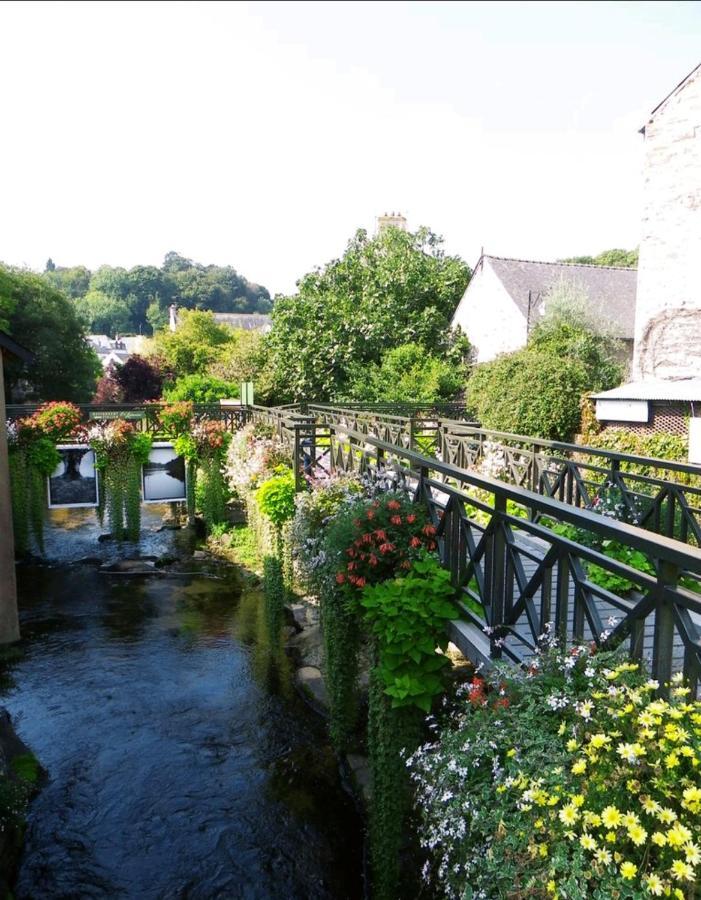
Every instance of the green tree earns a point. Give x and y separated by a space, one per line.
409 373
44 320
73 281
103 314
626 258
394 289
195 345
201 389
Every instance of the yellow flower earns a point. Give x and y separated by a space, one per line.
654 885
611 837
571 745
543 849
599 740
666 816
561 730
579 767
682 871
551 887
588 842
510 753
671 760
692 798
659 839
578 800
651 807
611 817
628 870
568 815
591 818
678 835
603 856
630 818
693 854
637 834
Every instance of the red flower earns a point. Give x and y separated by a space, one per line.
371 514
351 552
340 578
381 535
428 530
360 582
366 538
415 542
373 559
351 566
386 547
411 518
396 520
501 703
394 504
431 545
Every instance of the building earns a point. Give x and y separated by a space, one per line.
390 220
506 298
665 393
246 321
109 350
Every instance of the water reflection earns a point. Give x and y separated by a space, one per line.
175 772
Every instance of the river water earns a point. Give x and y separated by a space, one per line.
181 763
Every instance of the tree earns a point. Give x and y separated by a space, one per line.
44 320
195 345
394 289
626 258
536 391
50 265
408 373
201 389
103 314
139 379
74 282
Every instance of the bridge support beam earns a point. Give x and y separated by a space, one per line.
9 621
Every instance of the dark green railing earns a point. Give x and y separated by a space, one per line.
517 577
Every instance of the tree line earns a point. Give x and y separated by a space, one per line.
113 300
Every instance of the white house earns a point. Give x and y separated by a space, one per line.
505 298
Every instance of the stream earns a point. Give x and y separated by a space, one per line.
181 763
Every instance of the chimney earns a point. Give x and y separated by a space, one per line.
391 220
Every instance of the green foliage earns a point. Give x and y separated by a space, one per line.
407 617
626 258
44 321
274 593
176 419
211 490
396 288
200 389
114 299
276 497
658 445
194 346
393 732
26 766
410 373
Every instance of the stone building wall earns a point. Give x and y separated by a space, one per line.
668 310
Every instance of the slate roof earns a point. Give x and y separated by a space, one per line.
249 321
611 289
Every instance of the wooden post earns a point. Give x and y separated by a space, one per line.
9 621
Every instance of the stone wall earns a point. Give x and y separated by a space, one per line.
668 311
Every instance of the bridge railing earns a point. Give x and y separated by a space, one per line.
516 574
660 495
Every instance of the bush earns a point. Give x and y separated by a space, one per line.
276 498
410 374
201 389
573 778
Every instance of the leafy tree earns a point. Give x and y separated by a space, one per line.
409 373
242 359
103 314
73 281
195 345
537 390
42 319
139 379
394 289
626 258
201 389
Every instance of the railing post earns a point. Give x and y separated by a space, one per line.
496 575
663 639
296 459
411 433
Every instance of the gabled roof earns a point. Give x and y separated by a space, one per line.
681 389
248 321
10 347
679 87
611 289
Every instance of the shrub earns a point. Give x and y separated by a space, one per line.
409 373
200 388
276 497
567 781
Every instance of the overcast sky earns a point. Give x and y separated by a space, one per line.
263 134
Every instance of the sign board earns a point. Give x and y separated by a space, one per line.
247 393
695 441
623 410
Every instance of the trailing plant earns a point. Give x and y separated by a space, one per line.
33 457
274 593
571 780
203 445
407 618
120 452
253 456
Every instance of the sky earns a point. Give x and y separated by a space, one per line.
262 135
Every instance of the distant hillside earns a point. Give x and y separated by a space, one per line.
626 258
133 301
